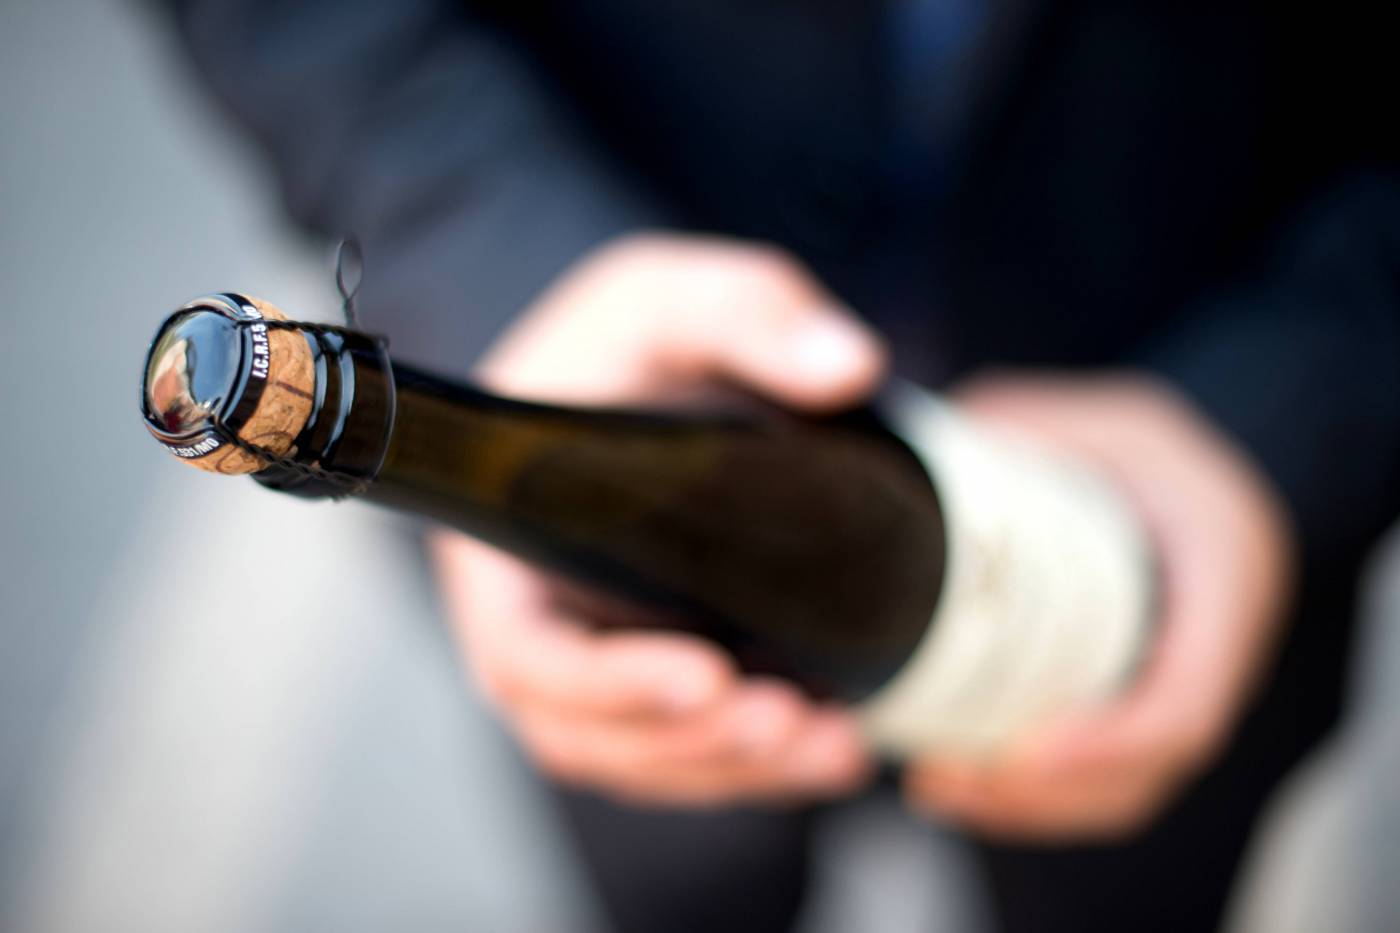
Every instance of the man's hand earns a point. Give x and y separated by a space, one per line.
1224 555
649 716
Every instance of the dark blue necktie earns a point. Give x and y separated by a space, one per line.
931 44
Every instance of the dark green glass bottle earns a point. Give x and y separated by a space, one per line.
812 549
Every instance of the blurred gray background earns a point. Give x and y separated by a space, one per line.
226 710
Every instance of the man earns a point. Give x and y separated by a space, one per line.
1172 228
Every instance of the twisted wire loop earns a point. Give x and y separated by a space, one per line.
349 264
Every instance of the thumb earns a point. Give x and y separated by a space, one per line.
808 357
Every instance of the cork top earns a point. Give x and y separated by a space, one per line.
214 371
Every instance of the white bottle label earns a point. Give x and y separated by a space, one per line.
1046 594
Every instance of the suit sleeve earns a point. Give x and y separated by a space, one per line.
427 134
1302 366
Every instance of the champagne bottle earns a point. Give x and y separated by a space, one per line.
956 586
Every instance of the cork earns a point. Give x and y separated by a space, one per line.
283 409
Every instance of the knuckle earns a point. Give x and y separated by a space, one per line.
1131 810
641 792
649 253
496 682
771 260
562 760
627 247
838 783
1133 814
711 743
492 689
1160 404
1199 741
769 272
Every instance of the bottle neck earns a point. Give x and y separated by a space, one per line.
573 489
